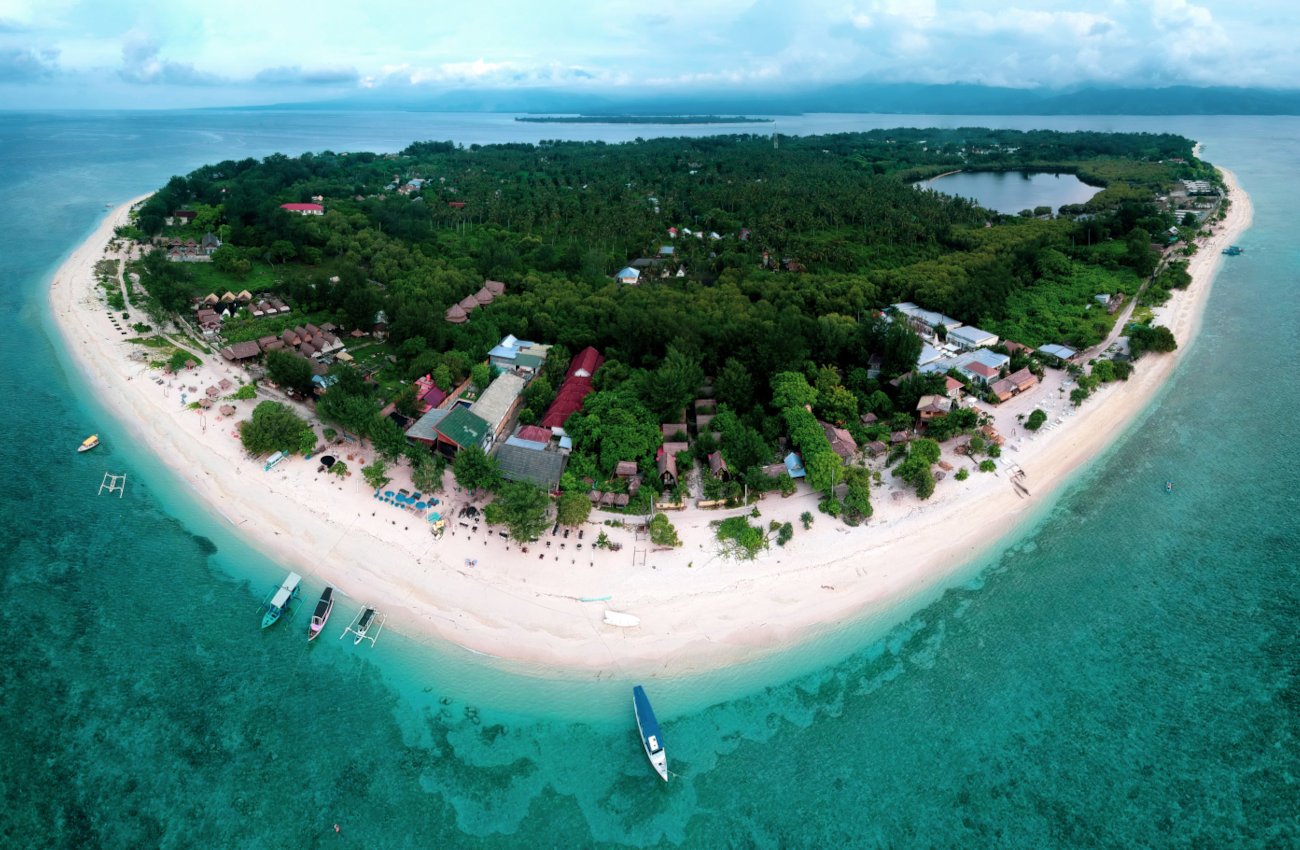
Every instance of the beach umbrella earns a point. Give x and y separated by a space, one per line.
227 410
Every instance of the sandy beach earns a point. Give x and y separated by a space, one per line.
697 610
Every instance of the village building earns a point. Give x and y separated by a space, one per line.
924 321
1061 353
304 209
666 461
629 276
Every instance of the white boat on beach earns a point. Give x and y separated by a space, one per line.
623 621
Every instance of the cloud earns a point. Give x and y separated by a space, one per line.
295 75
142 63
25 66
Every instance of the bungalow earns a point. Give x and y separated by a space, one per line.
842 442
666 461
952 387
208 244
304 209
246 350
185 216
625 469
380 326
672 429
496 287
718 466
1014 384
876 448
1014 347
794 466
629 276
969 337
933 407
456 315
498 404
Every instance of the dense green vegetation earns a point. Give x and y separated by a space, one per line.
792 251
275 427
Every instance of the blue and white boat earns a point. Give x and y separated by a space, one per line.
280 600
651 738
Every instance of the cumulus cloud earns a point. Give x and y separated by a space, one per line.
295 75
24 66
142 62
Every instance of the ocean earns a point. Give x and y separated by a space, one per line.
1120 673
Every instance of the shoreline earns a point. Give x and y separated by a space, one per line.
529 611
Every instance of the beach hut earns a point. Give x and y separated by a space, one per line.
227 410
496 287
469 303
483 296
456 315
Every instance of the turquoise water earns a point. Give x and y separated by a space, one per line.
1123 674
1012 191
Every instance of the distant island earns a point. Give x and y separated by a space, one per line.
642 119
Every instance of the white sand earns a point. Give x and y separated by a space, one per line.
697 610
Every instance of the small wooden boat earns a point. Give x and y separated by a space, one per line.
366 625
89 443
1169 486
321 614
280 599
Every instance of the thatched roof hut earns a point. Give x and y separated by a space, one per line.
469 303
483 296
496 287
456 315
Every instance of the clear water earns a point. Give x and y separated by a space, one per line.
1123 673
1012 191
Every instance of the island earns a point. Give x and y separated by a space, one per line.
663 405
641 119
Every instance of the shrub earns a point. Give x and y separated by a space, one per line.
1035 420
807 519
987 466
962 474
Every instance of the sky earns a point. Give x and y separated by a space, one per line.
146 53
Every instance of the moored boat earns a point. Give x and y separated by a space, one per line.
321 614
366 625
89 443
651 738
280 600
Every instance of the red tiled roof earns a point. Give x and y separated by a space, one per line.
588 360
535 433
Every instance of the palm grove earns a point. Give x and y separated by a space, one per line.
792 252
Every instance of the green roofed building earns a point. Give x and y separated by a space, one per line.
449 431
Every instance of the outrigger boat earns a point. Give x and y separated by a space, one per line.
322 613
280 599
651 739
89 443
366 620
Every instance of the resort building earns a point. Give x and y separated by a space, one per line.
518 355
925 321
450 430
1058 352
629 276
498 404
541 467
968 338
933 407
577 384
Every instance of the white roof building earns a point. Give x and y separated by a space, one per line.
969 337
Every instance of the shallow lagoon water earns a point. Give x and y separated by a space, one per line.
1010 192
1122 674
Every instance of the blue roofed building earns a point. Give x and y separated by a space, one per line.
794 466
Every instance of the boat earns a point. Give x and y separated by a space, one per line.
651 739
1234 250
321 614
280 600
366 621
623 621
1169 486
89 443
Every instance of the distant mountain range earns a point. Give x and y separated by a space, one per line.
861 96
